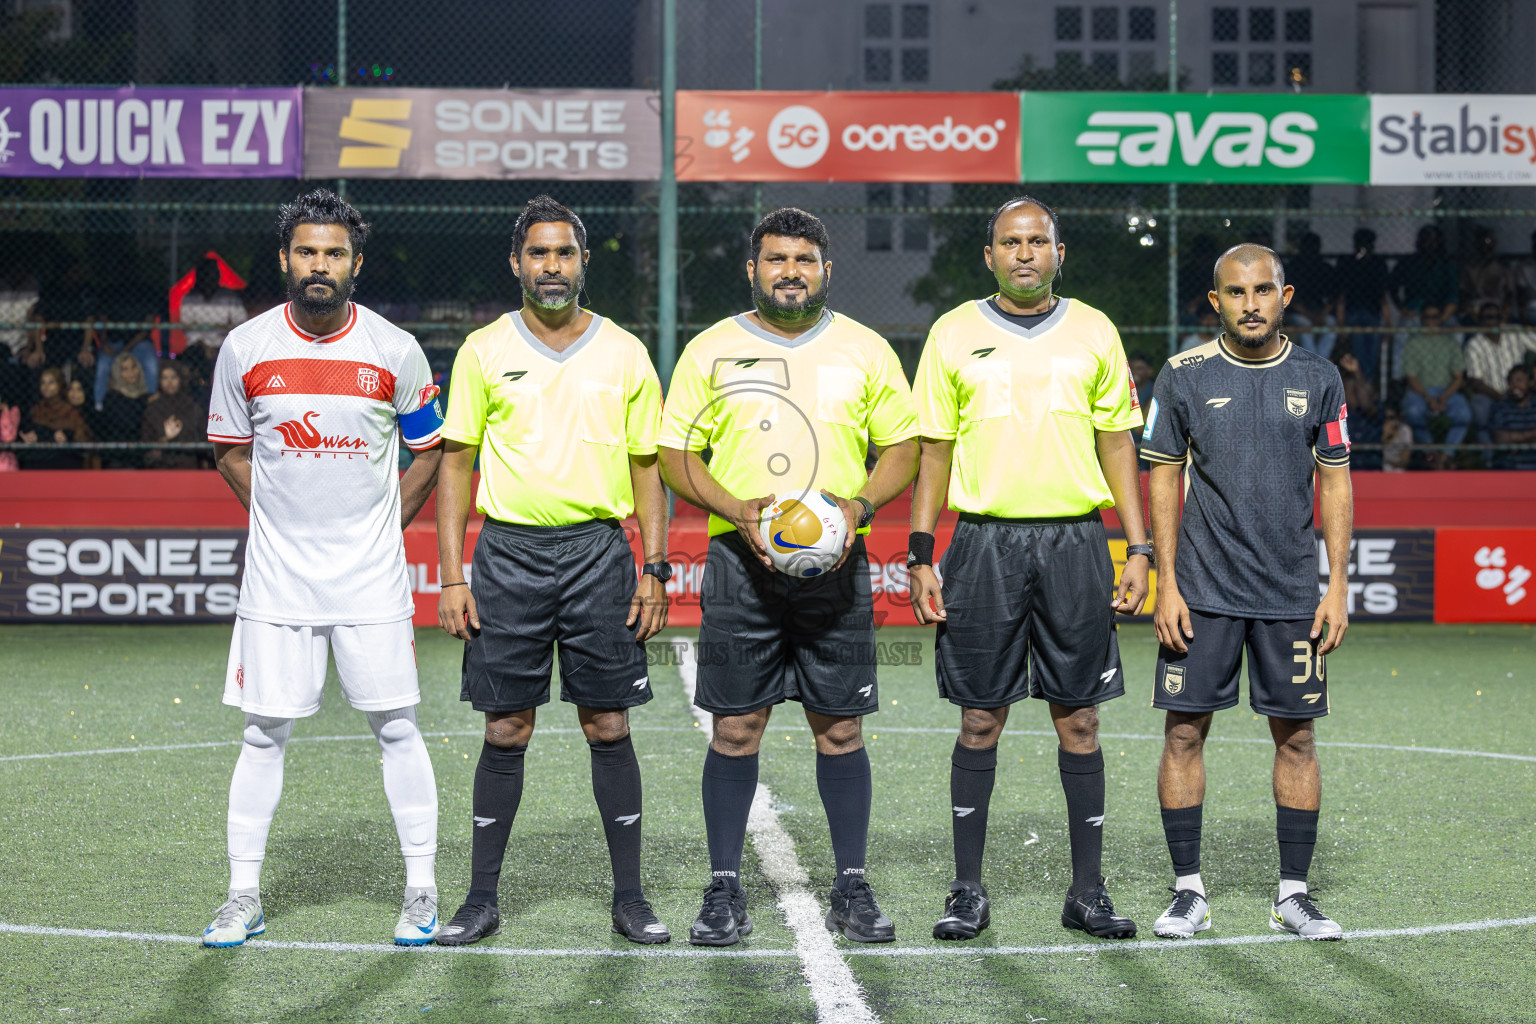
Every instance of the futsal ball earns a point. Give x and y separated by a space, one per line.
804 538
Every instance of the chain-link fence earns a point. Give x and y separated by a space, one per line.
88 264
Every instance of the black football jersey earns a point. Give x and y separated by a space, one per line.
1249 435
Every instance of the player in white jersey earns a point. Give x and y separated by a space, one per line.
309 401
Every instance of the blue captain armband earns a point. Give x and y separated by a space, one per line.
423 428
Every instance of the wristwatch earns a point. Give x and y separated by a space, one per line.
869 512
661 570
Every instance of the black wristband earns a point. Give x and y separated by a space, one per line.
1139 549
445 586
919 549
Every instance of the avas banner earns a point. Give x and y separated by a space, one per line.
847 136
1453 140
1189 137
548 134
62 132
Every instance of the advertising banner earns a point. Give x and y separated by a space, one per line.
847 136
1190 137
547 134
62 132
106 574
1484 575
1453 139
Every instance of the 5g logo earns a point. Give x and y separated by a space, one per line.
798 136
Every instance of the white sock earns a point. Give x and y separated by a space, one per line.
411 789
1190 882
1290 887
254 790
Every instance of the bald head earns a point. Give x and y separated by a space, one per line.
1246 255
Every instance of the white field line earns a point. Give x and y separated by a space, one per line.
967 951
838 996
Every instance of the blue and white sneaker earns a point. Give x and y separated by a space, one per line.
418 918
238 919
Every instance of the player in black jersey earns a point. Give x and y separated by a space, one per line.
1246 419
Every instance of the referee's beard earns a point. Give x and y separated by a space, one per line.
1233 330
539 292
804 310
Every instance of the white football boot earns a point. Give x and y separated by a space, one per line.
1187 914
1299 915
418 918
238 919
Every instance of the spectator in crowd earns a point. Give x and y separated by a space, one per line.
75 395
1491 353
1396 443
1514 421
172 415
10 429
1486 278
99 348
1426 277
21 350
1209 330
1525 285
1362 288
53 420
209 311
122 411
1316 295
1142 375
1434 369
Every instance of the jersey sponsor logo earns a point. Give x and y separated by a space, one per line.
276 382
368 378
515 374
1296 402
982 353
1217 403
301 438
1146 433
746 362
214 417
1173 680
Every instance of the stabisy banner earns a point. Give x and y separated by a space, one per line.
150 132
547 134
847 136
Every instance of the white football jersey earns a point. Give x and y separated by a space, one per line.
321 413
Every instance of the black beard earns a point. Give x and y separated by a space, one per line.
1238 339
572 291
771 307
319 309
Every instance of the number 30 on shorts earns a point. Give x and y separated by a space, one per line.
1304 657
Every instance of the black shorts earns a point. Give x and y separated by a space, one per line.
766 638
1286 676
538 586
1028 606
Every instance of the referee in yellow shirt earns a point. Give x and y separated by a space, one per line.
788 398
1026 407
562 406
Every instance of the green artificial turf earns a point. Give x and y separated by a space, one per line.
134 842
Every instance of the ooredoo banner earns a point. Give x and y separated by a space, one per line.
62 132
549 134
847 136
1484 575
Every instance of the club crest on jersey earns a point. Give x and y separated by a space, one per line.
1173 679
368 379
1296 402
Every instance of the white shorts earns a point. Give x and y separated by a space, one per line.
278 671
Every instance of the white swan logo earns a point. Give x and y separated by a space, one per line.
6 135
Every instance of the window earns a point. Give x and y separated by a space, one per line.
877 21
877 230
877 65
914 21
1106 62
1141 24
914 227
1223 68
1298 68
1298 25
1143 64
1106 24
1069 61
1261 68
1261 24
914 65
1223 25
1069 23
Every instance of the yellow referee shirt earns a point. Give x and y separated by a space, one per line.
787 416
1022 406
555 429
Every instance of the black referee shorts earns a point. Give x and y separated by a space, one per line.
1028 606
539 586
766 638
1287 678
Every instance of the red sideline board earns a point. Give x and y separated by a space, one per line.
1485 575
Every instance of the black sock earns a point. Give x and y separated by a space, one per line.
730 783
846 793
1181 827
1082 780
616 786
1297 832
498 791
971 775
